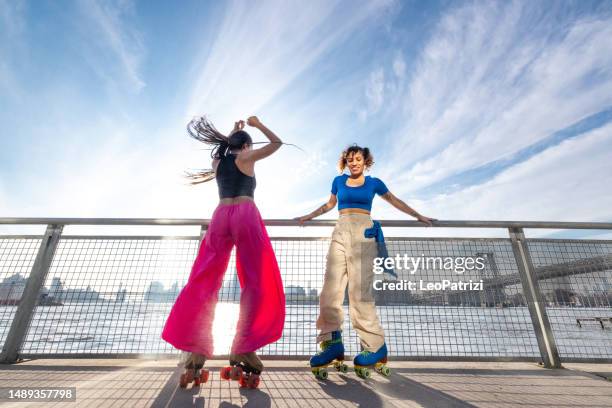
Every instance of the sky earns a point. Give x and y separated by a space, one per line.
475 110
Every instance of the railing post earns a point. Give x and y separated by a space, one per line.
29 298
535 302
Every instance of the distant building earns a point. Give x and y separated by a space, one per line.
79 295
292 290
11 289
56 288
157 293
174 290
121 294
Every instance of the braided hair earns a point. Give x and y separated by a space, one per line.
202 130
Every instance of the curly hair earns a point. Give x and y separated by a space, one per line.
368 159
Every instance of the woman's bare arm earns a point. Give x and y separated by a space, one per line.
328 206
402 206
267 150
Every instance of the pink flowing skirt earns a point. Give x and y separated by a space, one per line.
262 298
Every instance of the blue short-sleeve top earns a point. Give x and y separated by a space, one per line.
357 197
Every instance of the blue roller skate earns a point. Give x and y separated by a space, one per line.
332 353
367 359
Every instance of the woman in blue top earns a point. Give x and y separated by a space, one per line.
348 251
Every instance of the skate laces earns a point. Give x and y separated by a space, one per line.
325 344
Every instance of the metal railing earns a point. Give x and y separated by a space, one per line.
99 296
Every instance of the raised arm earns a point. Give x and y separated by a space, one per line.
328 206
402 206
267 150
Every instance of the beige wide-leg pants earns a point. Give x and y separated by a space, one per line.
349 260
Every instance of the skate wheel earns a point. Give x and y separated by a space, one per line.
243 381
225 373
253 381
236 373
384 370
363 372
204 376
322 374
343 368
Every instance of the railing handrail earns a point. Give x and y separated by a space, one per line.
313 223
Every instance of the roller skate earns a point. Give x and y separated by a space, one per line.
332 353
194 371
245 368
367 359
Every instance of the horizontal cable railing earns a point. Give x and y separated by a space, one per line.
541 299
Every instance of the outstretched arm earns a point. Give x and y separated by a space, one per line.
402 206
331 203
267 150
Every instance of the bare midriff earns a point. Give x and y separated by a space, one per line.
235 200
353 211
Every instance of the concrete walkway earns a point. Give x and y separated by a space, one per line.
154 383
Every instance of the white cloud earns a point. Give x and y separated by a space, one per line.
399 66
12 16
259 50
481 71
492 80
108 26
375 90
262 48
259 53
567 182
383 93
8 81
12 28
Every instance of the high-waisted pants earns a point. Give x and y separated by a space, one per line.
262 298
349 261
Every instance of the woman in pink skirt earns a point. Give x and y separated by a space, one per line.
236 221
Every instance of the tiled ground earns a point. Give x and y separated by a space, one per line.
153 383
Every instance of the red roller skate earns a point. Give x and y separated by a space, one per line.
245 368
194 371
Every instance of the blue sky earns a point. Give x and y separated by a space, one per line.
474 110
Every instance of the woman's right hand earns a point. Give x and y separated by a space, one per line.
238 126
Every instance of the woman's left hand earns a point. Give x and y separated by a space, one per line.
425 220
253 121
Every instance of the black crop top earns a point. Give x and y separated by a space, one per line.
231 181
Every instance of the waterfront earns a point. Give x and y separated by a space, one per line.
412 331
